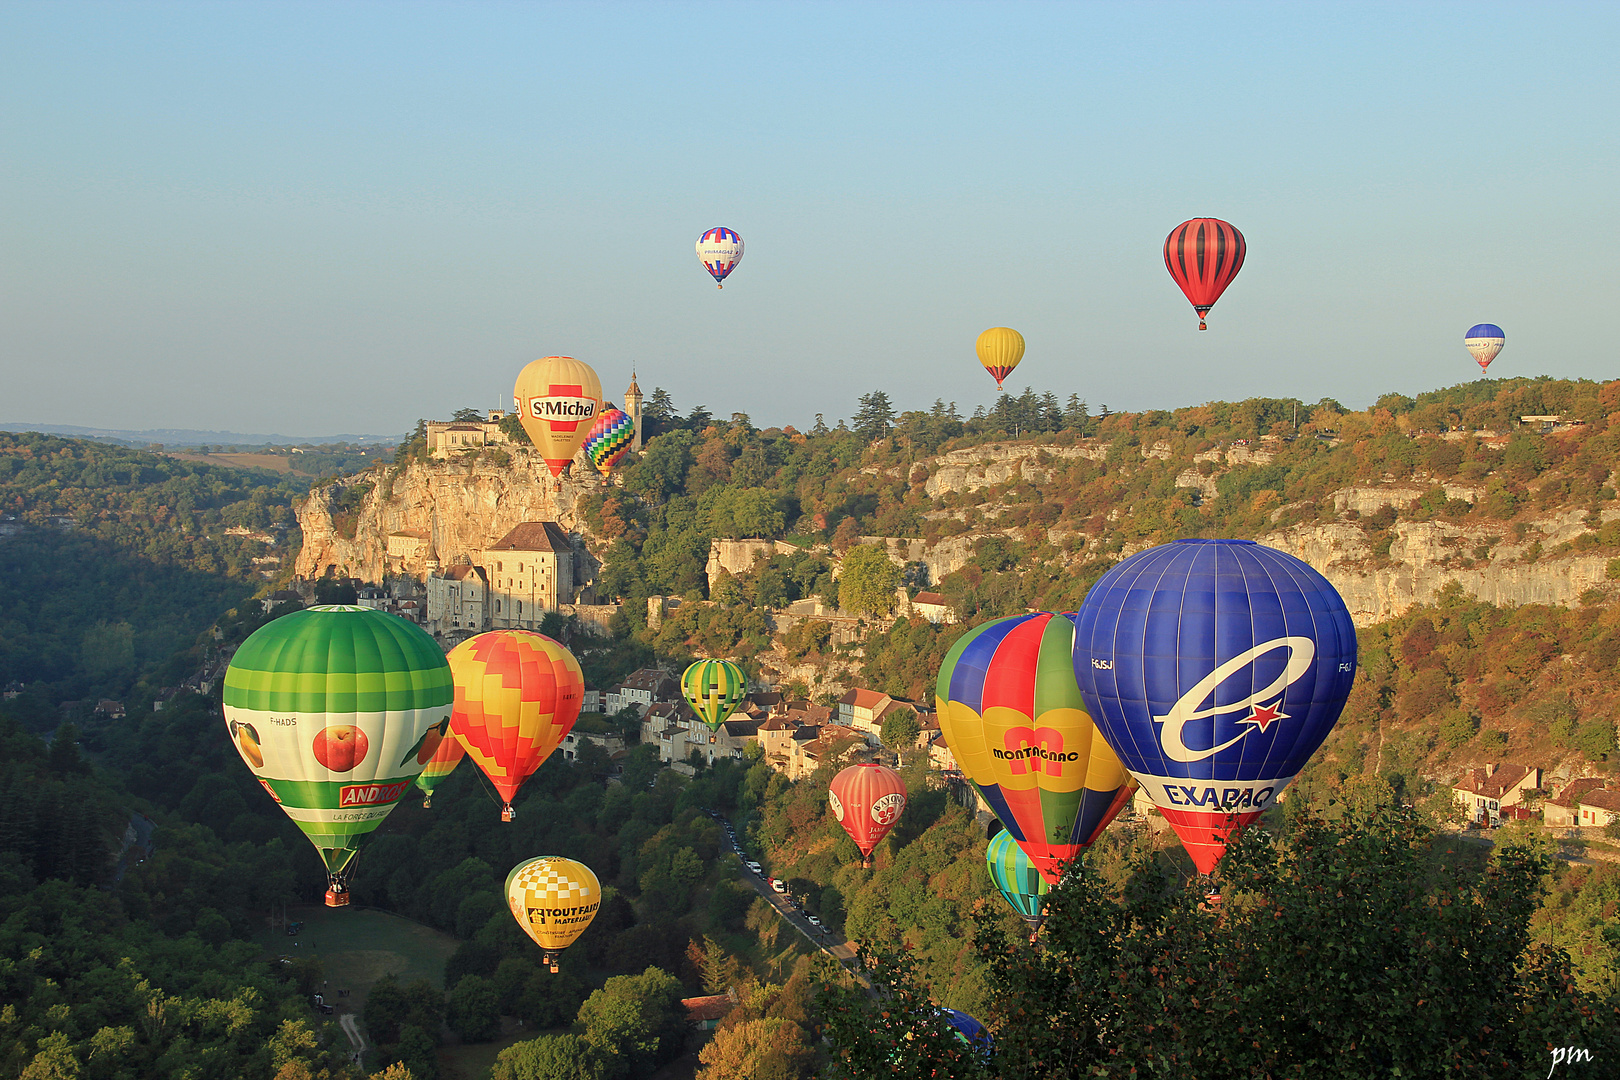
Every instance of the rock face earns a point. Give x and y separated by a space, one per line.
457 508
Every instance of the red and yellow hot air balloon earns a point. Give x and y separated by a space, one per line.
1203 256
867 800
558 399
1000 348
517 694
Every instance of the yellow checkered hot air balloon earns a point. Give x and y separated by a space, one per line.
554 899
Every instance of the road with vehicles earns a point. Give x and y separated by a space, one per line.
824 938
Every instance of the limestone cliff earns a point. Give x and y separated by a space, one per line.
448 509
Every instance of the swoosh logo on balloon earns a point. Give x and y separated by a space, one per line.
1301 652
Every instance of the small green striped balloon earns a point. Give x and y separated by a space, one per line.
714 689
332 708
1016 878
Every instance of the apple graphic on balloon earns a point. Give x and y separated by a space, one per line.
340 748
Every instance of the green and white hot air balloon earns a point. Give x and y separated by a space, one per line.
714 689
337 709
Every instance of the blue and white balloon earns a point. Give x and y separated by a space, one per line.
1484 341
1214 668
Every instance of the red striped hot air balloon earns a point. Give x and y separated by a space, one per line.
1204 255
867 800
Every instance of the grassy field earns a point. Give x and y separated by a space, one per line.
280 463
357 947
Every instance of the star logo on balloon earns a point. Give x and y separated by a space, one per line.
1265 715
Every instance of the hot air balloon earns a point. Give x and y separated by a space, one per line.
1484 341
609 439
714 689
1215 668
720 250
558 399
867 800
1014 875
554 899
1000 348
1013 718
1204 255
972 1033
336 709
446 756
517 694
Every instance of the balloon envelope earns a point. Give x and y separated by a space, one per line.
558 399
1014 719
714 689
333 708
720 250
1000 348
609 439
517 693
446 756
969 1030
1483 342
1215 668
553 899
1203 255
867 800
1015 876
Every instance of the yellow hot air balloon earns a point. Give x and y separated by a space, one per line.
1000 348
558 399
554 899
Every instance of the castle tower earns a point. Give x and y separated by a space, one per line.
632 406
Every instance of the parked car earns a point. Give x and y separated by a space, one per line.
754 866
815 922
778 885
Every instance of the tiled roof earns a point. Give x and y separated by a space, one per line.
462 573
1603 799
929 598
712 1007
1499 783
1572 794
741 729
863 699
534 536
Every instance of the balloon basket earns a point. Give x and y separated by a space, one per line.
507 813
337 898
427 803
549 959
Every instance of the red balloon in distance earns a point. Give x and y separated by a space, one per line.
867 800
1203 256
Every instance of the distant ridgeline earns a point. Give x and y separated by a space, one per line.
112 559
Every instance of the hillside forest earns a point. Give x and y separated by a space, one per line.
140 864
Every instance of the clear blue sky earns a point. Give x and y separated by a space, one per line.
330 217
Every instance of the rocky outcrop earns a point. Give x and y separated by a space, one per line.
458 508
1000 463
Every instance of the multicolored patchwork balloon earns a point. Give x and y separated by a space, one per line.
336 709
867 800
1215 668
1013 717
553 899
446 756
1014 875
609 438
714 689
517 693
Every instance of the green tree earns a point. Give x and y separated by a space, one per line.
550 1057
635 1022
868 582
875 416
473 1009
463 416
900 729
769 1048
512 428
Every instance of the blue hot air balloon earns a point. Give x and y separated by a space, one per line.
1484 341
1214 668
969 1030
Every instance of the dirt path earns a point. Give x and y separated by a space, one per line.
357 1042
